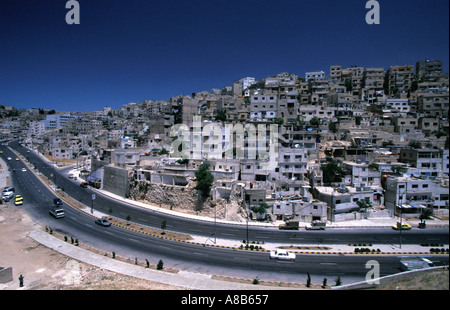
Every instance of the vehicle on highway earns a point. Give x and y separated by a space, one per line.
7 196
9 158
57 201
56 211
102 222
289 225
24 170
403 226
316 225
414 263
313 227
18 201
8 189
17 158
282 255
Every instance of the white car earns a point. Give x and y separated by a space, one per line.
282 255
24 170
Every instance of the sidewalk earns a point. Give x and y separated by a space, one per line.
183 278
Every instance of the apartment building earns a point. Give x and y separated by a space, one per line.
374 78
54 121
428 125
343 199
263 106
361 174
415 194
305 211
405 125
433 104
316 75
36 128
335 73
428 69
399 79
398 105
427 161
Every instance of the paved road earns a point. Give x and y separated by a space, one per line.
185 256
236 232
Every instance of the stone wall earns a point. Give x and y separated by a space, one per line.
116 180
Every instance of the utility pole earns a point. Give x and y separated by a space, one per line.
400 205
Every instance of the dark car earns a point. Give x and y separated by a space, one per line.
102 222
57 201
84 184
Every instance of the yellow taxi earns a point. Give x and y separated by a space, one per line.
18 201
404 226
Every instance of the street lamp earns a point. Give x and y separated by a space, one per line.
246 216
400 206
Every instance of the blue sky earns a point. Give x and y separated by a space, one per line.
128 51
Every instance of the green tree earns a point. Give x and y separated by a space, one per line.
331 171
278 121
220 115
261 209
415 144
163 152
315 122
425 215
205 179
333 127
163 226
364 204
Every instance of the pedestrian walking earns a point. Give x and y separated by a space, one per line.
21 281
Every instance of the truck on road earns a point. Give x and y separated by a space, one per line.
289 225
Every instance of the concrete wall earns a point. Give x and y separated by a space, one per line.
115 180
385 280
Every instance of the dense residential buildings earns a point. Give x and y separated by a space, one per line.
356 140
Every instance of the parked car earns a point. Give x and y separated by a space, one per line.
7 196
84 184
404 226
282 255
102 222
8 189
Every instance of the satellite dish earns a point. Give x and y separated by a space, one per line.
416 174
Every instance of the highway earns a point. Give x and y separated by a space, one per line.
209 260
